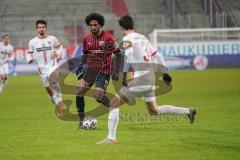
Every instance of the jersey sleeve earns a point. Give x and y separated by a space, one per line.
152 49
57 47
12 55
112 45
155 56
84 48
56 43
30 47
29 56
127 45
11 49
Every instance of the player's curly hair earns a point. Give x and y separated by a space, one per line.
95 16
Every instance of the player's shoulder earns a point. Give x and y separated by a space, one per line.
10 46
129 37
135 37
109 35
33 40
51 37
87 35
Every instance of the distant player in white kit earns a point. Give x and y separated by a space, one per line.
138 50
45 50
6 54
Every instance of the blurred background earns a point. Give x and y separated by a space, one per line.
196 34
200 42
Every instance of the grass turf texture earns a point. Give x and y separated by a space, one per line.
30 130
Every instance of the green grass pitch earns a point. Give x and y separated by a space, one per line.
29 129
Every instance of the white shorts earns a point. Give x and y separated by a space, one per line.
4 69
147 92
142 86
45 74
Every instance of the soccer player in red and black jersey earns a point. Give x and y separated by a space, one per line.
98 47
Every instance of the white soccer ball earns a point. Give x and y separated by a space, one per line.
89 123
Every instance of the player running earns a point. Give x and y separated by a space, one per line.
45 50
98 47
6 54
138 50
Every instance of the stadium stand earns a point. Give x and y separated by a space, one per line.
66 18
118 7
195 11
232 10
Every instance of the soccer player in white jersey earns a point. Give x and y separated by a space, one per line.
138 50
45 50
6 54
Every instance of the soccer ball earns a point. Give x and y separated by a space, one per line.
89 123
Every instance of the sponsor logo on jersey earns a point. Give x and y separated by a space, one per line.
125 45
44 49
101 43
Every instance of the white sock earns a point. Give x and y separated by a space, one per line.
50 98
57 89
113 119
56 99
167 109
1 86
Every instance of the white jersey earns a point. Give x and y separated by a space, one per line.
139 50
40 49
6 51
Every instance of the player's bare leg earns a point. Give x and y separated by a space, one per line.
55 101
100 96
49 91
82 87
113 119
154 109
55 91
3 82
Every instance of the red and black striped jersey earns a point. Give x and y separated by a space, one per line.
100 49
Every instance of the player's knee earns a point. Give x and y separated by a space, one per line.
114 103
5 78
53 75
81 91
52 84
98 95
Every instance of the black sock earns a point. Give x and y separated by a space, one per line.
80 103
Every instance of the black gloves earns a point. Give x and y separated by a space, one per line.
167 78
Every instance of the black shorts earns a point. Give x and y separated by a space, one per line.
100 80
